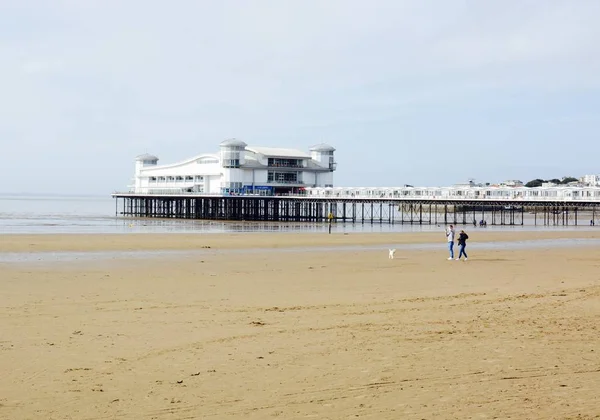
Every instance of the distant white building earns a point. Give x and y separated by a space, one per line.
512 183
470 183
548 184
591 180
238 169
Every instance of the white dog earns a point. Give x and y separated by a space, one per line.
391 254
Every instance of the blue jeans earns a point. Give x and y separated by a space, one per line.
462 252
451 248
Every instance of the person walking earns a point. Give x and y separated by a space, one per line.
462 244
450 238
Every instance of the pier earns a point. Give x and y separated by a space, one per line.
342 209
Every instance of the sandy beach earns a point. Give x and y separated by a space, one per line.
336 334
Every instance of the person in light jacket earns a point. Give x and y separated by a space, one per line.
450 238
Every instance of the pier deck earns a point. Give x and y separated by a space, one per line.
359 210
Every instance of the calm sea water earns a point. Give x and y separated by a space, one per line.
84 214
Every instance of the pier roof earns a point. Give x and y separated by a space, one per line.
278 152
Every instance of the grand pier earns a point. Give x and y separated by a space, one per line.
549 206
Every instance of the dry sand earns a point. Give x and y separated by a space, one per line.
324 335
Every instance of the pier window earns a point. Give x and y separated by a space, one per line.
284 163
231 187
199 178
179 179
231 163
283 177
152 179
231 156
170 179
162 179
206 161
189 178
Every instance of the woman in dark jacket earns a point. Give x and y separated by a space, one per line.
462 244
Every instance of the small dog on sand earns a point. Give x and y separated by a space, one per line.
391 254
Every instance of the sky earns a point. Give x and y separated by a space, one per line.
418 92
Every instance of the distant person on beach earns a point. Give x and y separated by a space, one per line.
450 238
462 244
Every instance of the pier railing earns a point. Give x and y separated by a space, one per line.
386 198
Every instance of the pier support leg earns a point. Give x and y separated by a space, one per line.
363 213
454 220
522 215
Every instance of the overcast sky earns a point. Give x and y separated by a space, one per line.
415 92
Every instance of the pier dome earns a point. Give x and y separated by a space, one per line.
322 147
146 157
146 160
232 143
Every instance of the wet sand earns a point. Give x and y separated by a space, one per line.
150 242
327 335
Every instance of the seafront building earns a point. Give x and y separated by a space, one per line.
238 169
591 180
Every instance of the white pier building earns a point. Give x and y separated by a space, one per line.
238 169
461 193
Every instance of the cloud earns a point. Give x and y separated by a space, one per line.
177 77
42 66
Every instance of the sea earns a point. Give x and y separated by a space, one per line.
77 214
